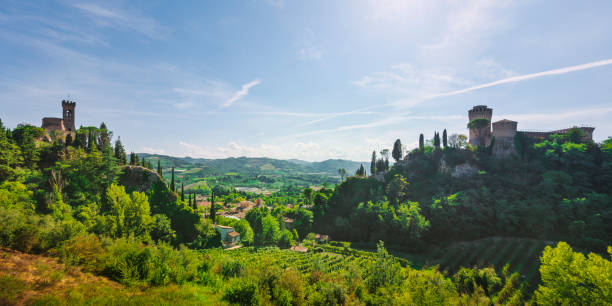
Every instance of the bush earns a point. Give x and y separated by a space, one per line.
242 292
231 268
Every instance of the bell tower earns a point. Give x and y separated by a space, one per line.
68 114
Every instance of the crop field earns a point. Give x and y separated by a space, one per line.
523 255
304 262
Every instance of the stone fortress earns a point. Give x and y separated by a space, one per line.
64 124
504 131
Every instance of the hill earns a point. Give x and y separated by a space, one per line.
255 173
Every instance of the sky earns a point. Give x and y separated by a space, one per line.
310 80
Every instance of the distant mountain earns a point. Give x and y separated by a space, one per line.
250 164
259 172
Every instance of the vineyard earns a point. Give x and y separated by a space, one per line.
326 262
523 255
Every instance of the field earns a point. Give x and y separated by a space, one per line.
327 262
522 254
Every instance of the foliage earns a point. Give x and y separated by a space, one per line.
570 278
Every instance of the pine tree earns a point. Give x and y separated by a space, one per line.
143 162
68 139
444 139
373 163
133 159
172 181
397 153
120 152
182 193
159 169
421 143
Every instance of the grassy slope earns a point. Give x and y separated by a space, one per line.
33 279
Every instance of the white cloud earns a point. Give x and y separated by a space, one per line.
152 151
575 117
241 93
311 151
123 19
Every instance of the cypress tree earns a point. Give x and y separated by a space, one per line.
373 163
149 165
90 141
437 140
182 192
212 208
444 139
133 159
159 169
421 143
397 153
68 139
172 181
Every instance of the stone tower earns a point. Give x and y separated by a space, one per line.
477 112
68 114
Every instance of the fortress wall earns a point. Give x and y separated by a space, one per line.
53 124
504 129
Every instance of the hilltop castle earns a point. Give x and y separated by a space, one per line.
64 124
504 131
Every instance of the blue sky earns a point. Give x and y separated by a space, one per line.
304 79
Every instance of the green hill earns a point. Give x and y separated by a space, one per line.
254 172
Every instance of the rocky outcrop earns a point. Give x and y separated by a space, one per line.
137 178
464 170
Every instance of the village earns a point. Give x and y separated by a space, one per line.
231 238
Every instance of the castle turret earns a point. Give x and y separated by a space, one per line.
68 114
480 112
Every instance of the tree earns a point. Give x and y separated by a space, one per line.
373 163
133 159
436 140
246 232
105 136
570 278
308 195
421 143
68 139
213 210
120 152
397 151
360 171
159 169
182 193
480 125
172 187
342 173
444 139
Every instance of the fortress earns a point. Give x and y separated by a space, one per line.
504 131
64 124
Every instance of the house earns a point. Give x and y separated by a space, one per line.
321 238
229 237
299 248
288 223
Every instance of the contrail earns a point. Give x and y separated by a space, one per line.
525 77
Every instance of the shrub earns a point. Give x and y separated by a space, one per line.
231 268
242 292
